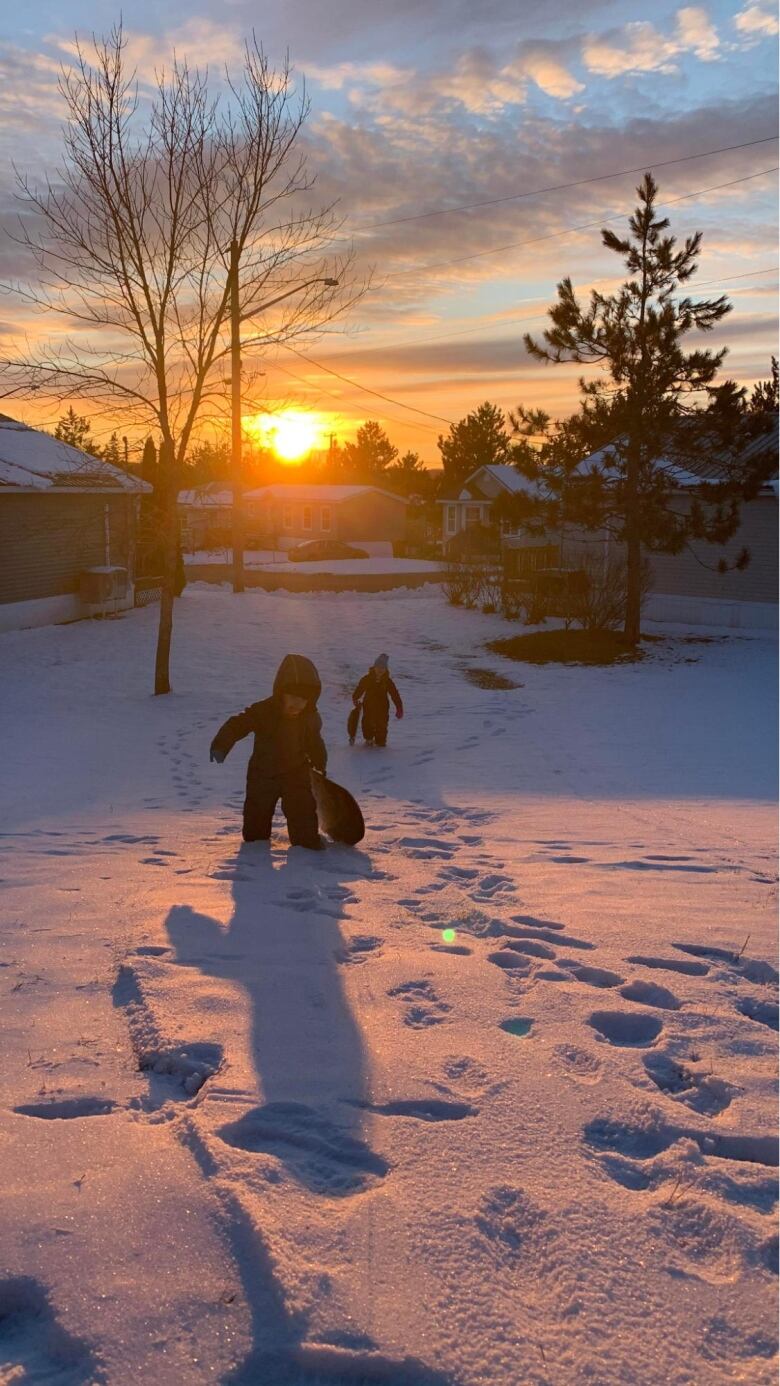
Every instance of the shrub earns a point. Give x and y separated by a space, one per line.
600 602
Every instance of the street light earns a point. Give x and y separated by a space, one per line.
236 318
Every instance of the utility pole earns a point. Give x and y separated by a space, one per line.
235 393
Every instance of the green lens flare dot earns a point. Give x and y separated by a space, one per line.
448 935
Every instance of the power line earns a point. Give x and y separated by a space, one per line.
571 230
536 317
560 187
378 395
388 418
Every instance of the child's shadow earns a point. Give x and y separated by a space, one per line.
281 946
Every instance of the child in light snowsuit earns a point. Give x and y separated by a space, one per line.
286 727
375 690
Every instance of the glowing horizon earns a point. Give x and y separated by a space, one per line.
292 433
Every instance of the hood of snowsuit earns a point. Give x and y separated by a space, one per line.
297 674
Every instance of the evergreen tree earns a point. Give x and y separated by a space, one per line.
111 452
479 440
74 429
640 410
409 475
371 453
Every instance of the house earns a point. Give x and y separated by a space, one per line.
473 505
67 530
287 514
687 588
206 516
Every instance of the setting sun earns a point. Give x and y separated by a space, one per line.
292 433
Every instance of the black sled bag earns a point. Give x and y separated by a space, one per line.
352 723
338 813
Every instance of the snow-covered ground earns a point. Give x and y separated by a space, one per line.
490 1099
264 558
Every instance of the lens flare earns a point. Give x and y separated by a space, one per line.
448 935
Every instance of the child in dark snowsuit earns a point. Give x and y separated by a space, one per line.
287 742
375 689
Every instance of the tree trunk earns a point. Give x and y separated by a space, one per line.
631 629
235 454
169 522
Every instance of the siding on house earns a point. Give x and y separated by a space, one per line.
368 515
682 575
47 539
372 515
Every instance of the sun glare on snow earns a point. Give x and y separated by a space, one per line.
292 434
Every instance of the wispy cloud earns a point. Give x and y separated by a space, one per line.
757 21
640 47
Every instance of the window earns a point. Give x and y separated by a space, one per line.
287 517
452 519
307 517
473 516
326 524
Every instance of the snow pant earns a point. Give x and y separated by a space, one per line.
298 807
375 720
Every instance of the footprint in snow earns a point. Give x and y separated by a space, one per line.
422 1005
702 1092
592 976
509 962
357 949
630 1029
645 1142
649 994
687 969
322 1155
579 1064
762 1012
511 1225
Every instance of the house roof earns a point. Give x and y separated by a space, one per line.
712 465
331 495
507 476
212 493
34 461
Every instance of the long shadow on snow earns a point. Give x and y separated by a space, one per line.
281 946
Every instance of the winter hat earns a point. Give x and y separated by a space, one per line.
381 663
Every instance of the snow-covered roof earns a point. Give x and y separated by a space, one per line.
507 475
213 493
302 491
711 466
34 461
504 474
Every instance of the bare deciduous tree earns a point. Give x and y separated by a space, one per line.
132 239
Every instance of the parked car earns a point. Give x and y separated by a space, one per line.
318 549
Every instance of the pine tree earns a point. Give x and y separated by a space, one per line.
74 429
409 475
477 441
111 452
640 410
369 455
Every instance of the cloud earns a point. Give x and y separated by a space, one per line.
202 41
477 81
640 47
757 21
697 33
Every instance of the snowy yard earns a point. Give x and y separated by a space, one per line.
489 1101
